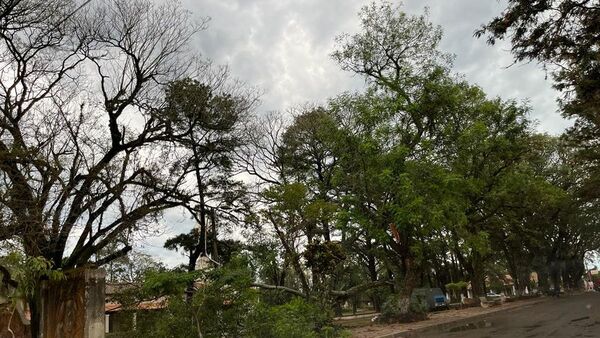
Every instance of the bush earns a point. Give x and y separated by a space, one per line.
295 319
226 305
400 309
456 289
226 300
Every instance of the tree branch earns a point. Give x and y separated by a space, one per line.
279 287
114 255
360 288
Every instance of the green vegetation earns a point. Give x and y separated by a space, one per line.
419 180
455 290
223 304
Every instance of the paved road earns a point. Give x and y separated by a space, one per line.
568 316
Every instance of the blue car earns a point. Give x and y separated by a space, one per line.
433 298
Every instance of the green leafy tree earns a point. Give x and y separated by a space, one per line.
389 131
484 144
22 274
211 121
297 318
131 268
562 35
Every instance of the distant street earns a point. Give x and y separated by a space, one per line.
568 316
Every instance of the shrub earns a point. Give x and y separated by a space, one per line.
225 305
295 319
456 289
402 309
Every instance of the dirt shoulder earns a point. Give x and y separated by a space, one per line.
435 319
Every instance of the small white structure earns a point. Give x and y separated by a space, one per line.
204 262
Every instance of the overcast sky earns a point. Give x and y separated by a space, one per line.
283 47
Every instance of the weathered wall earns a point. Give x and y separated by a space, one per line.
19 329
63 307
70 308
74 307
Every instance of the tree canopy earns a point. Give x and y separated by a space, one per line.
420 179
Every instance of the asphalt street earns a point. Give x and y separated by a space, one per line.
567 316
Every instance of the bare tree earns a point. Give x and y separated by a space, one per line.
259 157
88 152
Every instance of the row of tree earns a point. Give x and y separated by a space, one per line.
419 180
107 120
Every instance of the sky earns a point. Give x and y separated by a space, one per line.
283 47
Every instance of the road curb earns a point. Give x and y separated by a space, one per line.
454 323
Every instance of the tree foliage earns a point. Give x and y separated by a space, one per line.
418 180
562 35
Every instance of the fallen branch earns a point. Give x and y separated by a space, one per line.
278 287
338 293
360 288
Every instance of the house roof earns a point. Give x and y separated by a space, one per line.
155 304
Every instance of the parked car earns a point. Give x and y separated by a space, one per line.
432 298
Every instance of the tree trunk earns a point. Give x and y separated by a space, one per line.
543 280
555 274
512 269
477 276
574 269
410 278
408 284
372 267
337 307
213 232
294 257
326 231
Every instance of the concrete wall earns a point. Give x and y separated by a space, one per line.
94 291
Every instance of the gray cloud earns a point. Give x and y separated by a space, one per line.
283 46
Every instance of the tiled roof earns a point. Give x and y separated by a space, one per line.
155 304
